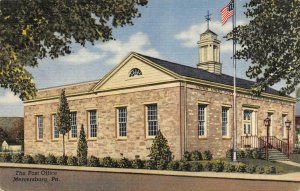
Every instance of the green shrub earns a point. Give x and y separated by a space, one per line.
93 161
39 159
27 159
208 166
82 148
5 157
196 167
17 158
62 160
72 161
124 163
217 166
255 154
138 164
149 164
173 165
248 153
108 162
229 154
51 159
184 166
240 168
270 169
187 156
196 156
241 154
229 167
260 170
160 152
207 155
161 164
250 168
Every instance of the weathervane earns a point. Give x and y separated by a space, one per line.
207 18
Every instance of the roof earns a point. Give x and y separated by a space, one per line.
197 73
209 31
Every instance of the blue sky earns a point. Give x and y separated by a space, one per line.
168 29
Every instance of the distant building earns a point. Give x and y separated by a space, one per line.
123 111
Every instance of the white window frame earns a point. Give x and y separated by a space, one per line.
226 122
54 127
270 116
39 127
283 120
252 122
92 134
202 119
122 122
153 120
74 129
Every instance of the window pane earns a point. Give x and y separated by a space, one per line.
93 124
152 119
73 125
55 129
40 127
122 121
201 120
224 121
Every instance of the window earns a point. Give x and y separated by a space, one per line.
39 120
73 125
284 130
122 122
247 121
224 121
135 72
55 129
93 123
201 120
152 123
270 114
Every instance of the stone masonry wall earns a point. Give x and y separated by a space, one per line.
107 143
215 100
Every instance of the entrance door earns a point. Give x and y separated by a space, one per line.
247 121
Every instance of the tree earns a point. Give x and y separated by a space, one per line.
34 30
3 135
82 148
63 118
20 138
271 42
160 152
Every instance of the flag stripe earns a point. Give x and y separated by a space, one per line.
227 12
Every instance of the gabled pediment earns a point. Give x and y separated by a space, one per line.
134 71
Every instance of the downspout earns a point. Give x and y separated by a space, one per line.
180 118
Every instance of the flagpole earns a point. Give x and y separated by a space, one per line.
234 86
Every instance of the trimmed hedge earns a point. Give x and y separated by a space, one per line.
183 165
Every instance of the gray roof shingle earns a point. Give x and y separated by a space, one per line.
188 71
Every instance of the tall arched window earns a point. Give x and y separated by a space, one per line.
135 72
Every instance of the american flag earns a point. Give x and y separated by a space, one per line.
227 12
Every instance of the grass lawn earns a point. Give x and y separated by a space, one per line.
282 168
295 158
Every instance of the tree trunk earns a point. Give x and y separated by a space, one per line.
63 145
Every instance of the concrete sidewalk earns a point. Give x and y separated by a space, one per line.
290 163
291 177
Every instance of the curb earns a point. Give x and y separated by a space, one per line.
291 177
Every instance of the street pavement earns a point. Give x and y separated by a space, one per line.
31 179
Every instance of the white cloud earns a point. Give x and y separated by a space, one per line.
191 36
113 52
83 56
117 50
9 98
